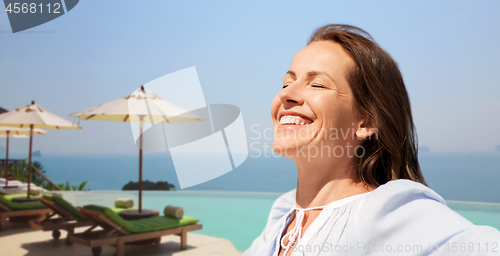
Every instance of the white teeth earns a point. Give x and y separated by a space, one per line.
292 120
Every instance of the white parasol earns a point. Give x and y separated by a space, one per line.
34 116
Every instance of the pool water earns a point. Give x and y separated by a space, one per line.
478 213
241 216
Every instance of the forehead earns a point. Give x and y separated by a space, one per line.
325 56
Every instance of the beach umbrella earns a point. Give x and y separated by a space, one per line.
34 116
14 136
12 132
140 106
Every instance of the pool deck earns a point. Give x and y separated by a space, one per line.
19 239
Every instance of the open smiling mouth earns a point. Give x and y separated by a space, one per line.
295 120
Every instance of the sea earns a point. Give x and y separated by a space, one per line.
455 176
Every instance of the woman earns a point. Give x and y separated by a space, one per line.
343 116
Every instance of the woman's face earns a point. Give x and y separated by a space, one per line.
314 113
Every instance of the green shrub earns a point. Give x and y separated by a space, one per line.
149 185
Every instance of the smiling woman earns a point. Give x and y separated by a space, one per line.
361 192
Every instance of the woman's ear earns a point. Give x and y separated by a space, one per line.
364 131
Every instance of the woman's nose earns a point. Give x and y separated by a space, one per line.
291 96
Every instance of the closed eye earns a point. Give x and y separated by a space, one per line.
318 86
285 86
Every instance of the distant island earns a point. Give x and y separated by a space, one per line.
424 149
498 148
149 185
36 153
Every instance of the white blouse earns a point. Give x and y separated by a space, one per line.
401 217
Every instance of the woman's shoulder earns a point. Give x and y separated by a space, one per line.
402 190
404 211
404 198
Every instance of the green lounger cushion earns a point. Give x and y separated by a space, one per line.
7 201
144 225
66 205
114 209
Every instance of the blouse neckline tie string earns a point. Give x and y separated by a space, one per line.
296 232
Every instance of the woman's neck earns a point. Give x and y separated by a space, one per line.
323 181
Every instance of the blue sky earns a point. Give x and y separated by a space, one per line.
101 50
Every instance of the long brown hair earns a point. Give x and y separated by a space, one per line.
381 98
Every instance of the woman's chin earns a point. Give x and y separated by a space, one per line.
288 148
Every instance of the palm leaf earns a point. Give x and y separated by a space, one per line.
80 188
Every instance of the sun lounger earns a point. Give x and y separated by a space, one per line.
116 231
65 217
14 183
9 209
17 187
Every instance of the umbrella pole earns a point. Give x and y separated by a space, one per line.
140 170
29 165
7 162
